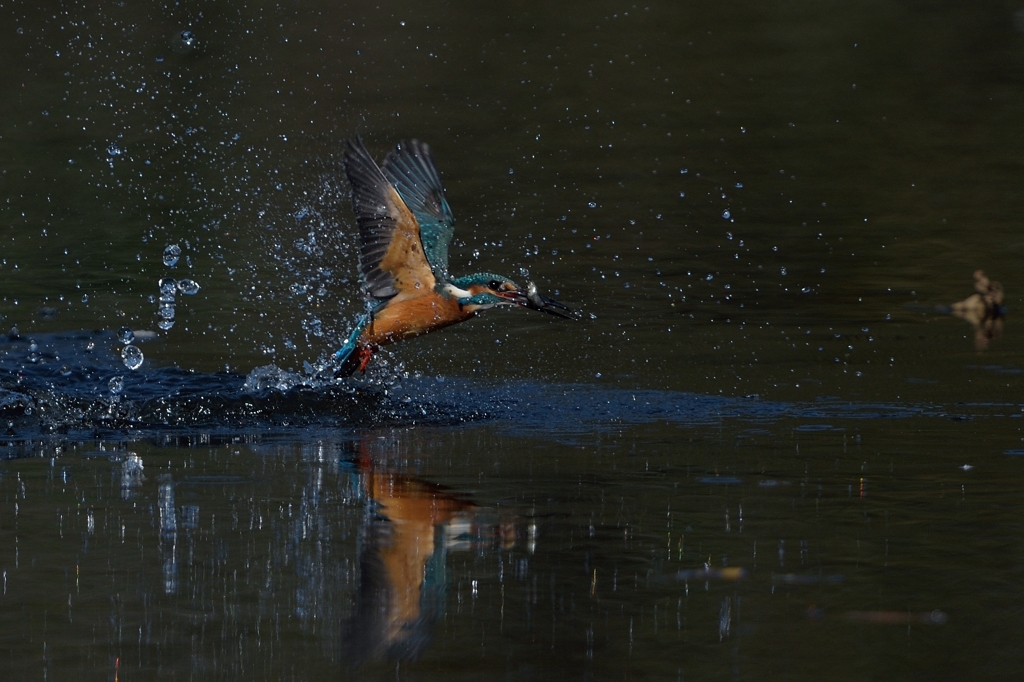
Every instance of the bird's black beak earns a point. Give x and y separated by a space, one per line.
532 299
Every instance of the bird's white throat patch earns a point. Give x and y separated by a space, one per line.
456 292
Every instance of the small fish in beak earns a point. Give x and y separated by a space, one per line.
532 299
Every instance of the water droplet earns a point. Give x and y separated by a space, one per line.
726 214
116 385
592 204
188 39
113 150
168 286
165 324
171 255
682 195
132 357
125 335
783 271
166 312
85 298
65 371
188 287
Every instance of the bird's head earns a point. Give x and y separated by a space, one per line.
487 290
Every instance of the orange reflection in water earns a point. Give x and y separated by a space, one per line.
410 527
412 509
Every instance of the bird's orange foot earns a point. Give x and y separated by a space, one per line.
364 358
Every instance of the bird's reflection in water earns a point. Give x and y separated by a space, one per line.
984 310
410 527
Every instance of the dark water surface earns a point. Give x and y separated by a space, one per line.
765 451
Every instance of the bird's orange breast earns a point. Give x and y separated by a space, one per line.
405 317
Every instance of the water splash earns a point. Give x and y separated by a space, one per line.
36 398
168 286
165 311
172 253
188 287
132 357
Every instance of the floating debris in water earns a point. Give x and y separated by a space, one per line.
984 310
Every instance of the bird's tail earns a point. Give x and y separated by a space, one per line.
346 359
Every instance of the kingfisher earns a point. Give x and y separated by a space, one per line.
405 228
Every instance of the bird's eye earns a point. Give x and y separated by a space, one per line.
495 285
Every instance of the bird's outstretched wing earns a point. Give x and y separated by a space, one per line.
410 168
391 249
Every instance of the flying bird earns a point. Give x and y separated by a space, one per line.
405 227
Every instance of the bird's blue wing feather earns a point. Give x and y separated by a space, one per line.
410 168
